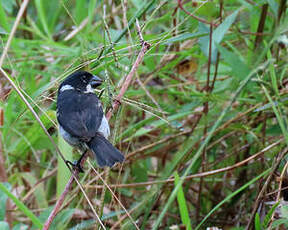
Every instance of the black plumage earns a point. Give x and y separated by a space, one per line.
81 119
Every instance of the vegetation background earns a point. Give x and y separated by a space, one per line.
203 125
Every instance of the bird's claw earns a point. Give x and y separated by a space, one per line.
75 165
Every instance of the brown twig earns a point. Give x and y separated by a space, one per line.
205 112
198 175
145 47
115 197
58 205
261 25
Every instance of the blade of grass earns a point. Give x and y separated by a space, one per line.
39 192
22 207
63 173
41 13
232 195
206 141
3 18
182 204
277 113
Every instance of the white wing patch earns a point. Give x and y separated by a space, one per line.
89 89
66 87
104 128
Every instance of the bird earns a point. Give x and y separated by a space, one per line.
82 123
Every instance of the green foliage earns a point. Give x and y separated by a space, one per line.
61 219
180 114
3 201
283 220
21 206
4 225
63 173
182 205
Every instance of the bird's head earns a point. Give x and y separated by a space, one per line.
82 81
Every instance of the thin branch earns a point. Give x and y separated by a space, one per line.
198 175
58 205
116 198
261 25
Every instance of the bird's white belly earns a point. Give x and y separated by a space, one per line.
104 128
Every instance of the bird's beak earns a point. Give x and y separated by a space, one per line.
95 81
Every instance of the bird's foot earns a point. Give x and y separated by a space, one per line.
76 166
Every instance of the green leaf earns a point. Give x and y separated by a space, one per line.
3 201
80 11
8 5
63 173
3 19
20 227
32 135
184 36
239 68
232 195
43 19
158 124
4 225
205 142
279 222
39 192
182 204
26 211
284 210
274 6
267 218
257 222
217 36
86 224
60 221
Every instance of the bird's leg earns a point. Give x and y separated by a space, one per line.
76 165
69 163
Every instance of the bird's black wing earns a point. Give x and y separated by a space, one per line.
79 114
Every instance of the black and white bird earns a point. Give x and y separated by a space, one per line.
82 122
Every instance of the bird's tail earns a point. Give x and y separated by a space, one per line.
106 154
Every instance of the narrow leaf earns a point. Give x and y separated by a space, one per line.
182 204
21 206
